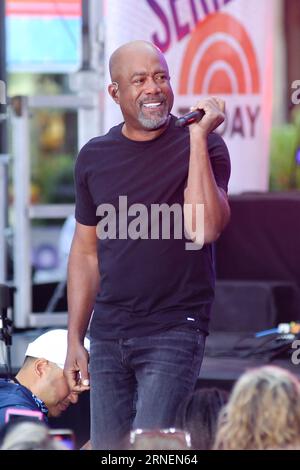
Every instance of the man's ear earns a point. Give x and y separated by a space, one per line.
40 367
113 90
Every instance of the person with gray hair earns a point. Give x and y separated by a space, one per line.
29 436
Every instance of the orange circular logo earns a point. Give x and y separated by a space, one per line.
219 59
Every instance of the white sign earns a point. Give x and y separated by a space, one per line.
213 47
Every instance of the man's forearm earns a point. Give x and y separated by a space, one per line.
83 284
202 189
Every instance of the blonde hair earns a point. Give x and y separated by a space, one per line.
263 411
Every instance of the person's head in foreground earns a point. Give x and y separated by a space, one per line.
160 439
141 87
29 436
42 371
263 411
198 414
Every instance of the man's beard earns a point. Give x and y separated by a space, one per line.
153 123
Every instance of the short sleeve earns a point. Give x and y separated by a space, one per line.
85 209
220 160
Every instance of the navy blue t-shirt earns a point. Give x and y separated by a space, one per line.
150 283
15 395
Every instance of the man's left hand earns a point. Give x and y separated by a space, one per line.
214 109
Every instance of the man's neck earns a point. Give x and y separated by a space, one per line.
23 380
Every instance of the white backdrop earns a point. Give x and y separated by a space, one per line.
218 47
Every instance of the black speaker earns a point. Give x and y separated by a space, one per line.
248 306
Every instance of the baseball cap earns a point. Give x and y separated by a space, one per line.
52 346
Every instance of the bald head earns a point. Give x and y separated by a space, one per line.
122 56
140 75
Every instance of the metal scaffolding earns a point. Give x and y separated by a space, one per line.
88 113
87 88
3 148
87 99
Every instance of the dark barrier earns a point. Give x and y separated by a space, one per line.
262 240
258 263
243 306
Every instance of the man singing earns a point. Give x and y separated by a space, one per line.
151 295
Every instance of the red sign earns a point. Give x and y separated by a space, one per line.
65 8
